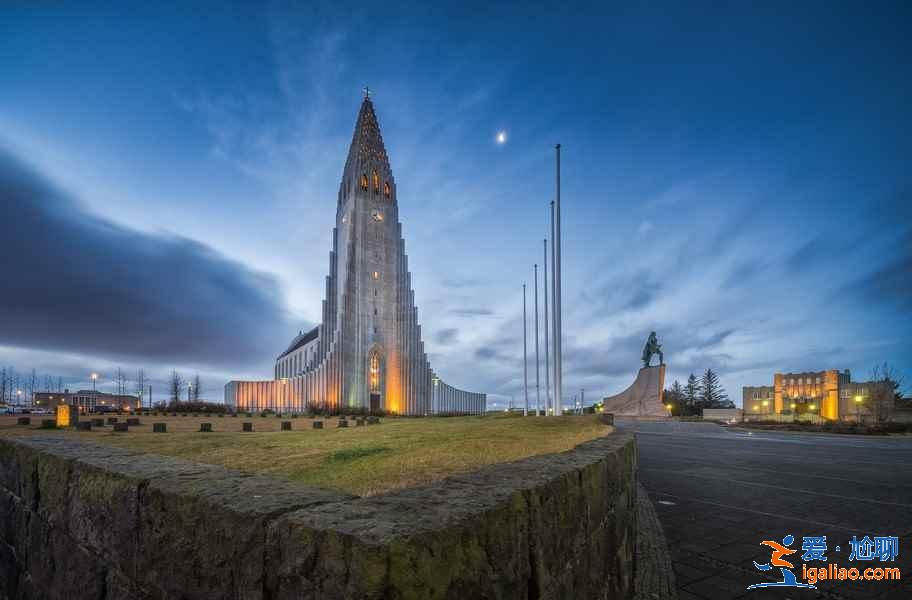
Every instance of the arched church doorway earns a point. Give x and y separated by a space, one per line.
375 379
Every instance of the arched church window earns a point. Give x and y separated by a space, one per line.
376 182
363 182
386 189
375 371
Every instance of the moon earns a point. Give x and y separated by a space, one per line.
501 137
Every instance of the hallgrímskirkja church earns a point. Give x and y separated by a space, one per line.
367 353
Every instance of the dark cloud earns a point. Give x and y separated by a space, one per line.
72 281
445 337
891 283
472 312
624 292
461 283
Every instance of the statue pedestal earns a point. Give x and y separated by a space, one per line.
644 397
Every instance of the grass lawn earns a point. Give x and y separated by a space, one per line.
361 460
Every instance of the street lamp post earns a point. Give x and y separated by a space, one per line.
858 400
94 392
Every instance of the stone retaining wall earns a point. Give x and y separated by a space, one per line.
82 521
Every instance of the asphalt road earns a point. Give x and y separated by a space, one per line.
719 492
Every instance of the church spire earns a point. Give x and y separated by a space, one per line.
367 143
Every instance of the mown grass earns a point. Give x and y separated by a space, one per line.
364 460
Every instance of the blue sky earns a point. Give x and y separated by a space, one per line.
734 177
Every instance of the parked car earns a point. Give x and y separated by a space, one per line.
7 410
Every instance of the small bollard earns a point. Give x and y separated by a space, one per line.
83 426
343 423
24 421
121 427
318 424
112 420
247 426
97 422
207 427
133 421
159 428
286 425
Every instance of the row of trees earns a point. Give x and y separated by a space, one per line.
176 387
18 387
697 394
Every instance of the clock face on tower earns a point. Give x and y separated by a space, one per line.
377 215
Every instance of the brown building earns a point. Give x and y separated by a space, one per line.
87 400
829 394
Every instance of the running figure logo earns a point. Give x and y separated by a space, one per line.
776 560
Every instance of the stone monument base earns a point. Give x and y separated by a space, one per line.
643 398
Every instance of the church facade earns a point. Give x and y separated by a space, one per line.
367 354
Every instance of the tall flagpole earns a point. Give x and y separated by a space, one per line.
537 380
548 404
557 276
525 358
554 397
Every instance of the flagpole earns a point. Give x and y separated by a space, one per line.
537 380
554 397
548 405
557 276
525 358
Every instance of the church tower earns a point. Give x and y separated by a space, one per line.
368 353
380 328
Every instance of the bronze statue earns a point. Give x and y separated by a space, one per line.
652 347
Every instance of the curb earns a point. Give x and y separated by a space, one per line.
654 578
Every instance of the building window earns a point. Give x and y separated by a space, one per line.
386 189
363 182
375 371
376 182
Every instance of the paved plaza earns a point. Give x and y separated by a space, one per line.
719 492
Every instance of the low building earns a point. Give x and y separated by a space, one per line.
830 395
87 400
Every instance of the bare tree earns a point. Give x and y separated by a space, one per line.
32 387
885 386
175 385
141 384
196 387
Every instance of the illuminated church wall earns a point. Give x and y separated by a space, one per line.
368 352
